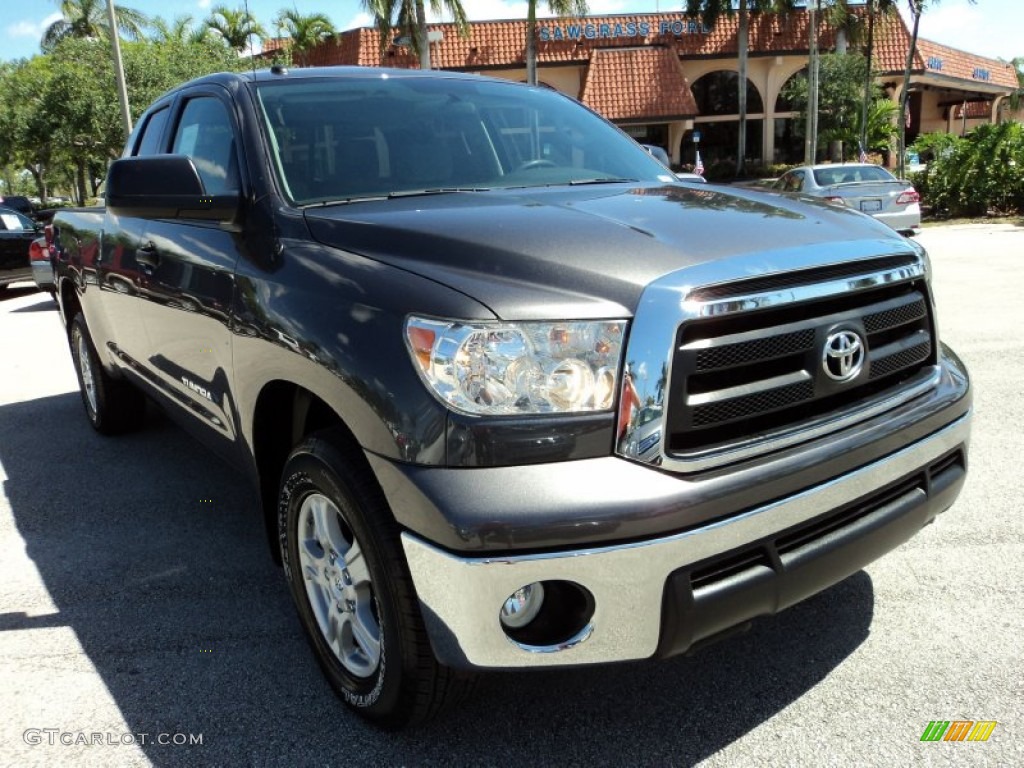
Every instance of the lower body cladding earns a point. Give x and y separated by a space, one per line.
659 597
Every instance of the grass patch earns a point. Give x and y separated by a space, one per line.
1017 221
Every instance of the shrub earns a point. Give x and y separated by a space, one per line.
980 173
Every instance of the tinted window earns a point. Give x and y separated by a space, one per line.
851 173
150 143
716 93
363 137
13 221
205 134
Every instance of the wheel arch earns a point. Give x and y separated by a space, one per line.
69 304
284 415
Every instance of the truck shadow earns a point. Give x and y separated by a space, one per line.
152 552
17 290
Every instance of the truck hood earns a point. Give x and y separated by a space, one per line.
584 252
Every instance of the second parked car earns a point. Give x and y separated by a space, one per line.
16 234
864 187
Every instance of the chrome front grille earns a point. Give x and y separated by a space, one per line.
762 371
724 360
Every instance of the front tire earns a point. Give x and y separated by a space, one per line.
343 559
112 405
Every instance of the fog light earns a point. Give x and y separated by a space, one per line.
522 606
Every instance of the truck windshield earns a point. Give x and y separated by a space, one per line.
372 136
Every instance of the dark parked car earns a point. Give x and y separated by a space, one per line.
19 203
16 235
659 153
40 254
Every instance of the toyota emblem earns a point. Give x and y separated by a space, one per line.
843 356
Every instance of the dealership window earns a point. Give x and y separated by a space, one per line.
788 126
718 142
716 93
789 140
782 104
652 133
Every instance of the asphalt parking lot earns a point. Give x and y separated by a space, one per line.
140 612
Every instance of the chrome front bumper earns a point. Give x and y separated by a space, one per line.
461 596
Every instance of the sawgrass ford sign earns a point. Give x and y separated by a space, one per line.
677 27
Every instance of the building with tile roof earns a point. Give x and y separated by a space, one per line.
667 79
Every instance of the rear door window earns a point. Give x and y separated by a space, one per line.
205 133
151 142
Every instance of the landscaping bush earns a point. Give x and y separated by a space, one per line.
979 174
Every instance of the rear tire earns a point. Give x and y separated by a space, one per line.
113 406
348 576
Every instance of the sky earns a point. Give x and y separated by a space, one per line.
989 27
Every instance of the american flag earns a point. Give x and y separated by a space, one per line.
863 156
698 167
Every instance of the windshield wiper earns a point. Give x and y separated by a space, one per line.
392 195
344 201
601 180
435 191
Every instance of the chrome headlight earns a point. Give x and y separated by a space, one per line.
497 369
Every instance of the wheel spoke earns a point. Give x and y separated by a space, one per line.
320 514
366 632
310 569
356 564
335 621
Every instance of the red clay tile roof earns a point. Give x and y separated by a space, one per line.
271 44
493 44
892 40
943 60
637 83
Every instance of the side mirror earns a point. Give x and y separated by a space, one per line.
165 187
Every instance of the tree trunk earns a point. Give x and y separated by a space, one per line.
741 45
40 183
915 9
422 42
531 43
835 148
811 140
867 78
80 180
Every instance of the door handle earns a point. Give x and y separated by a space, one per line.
147 255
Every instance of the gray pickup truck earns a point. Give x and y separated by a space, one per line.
511 394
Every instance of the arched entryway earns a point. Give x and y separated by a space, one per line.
788 126
717 97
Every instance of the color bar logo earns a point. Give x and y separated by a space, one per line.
958 730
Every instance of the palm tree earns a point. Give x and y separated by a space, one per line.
411 17
880 126
917 7
235 27
709 11
305 31
562 8
181 30
452 7
875 8
384 12
1017 97
88 18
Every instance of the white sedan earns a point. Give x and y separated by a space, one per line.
861 186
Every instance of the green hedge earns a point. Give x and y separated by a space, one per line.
979 174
